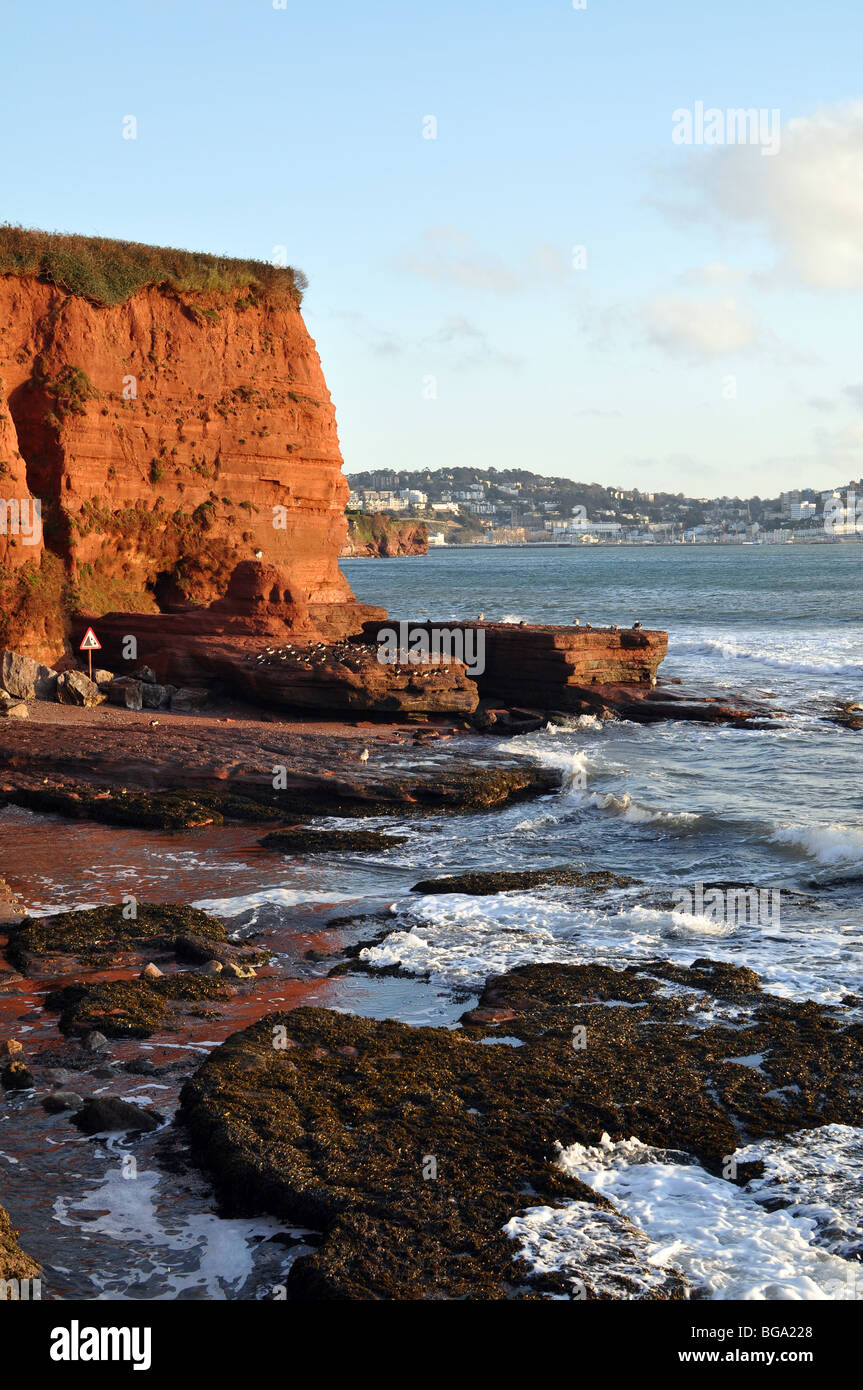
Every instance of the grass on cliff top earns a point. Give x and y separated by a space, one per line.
368 526
110 272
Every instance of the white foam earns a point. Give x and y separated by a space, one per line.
458 941
589 1246
819 1173
277 897
199 1252
718 1234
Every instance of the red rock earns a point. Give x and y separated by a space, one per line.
166 430
381 536
480 1017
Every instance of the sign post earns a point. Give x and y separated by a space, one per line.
90 644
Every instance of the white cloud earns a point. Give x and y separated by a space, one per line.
699 328
458 331
808 200
713 273
453 257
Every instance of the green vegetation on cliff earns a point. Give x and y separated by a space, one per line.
110 272
382 534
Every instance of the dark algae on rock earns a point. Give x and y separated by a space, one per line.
14 1264
298 839
336 1131
337 1122
129 1008
103 935
483 883
175 810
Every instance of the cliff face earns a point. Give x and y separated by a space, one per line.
168 438
382 536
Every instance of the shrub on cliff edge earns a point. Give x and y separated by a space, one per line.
110 272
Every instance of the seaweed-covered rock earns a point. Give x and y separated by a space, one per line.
17 1076
102 935
410 1148
299 839
171 810
482 883
14 1264
128 1008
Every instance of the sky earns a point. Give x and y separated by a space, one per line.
518 254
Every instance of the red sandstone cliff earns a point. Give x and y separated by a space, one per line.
169 437
382 536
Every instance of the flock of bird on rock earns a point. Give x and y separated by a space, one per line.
355 654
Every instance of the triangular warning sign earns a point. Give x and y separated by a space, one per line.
91 642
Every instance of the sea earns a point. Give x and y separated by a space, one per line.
776 808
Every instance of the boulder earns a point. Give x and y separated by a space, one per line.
188 701
57 1101
103 677
125 691
17 1077
239 972
145 674
106 1114
14 710
11 1047
74 688
25 678
156 696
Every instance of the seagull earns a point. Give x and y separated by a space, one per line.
614 627
364 756
636 626
259 554
480 617
577 622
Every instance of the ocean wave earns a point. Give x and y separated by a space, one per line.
576 769
681 923
458 941
732 651
835 846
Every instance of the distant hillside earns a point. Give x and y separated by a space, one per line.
517 497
